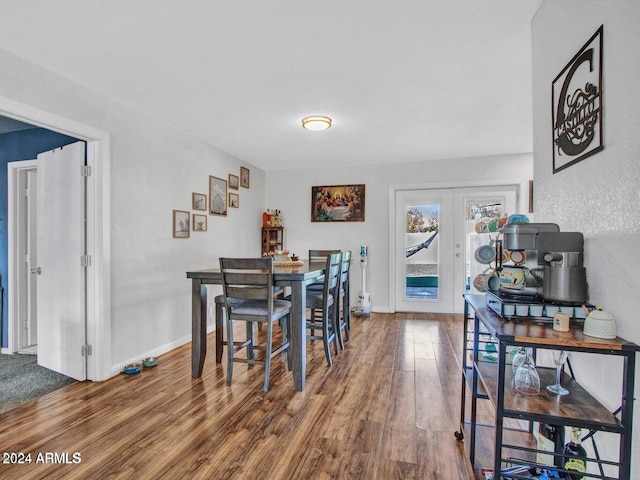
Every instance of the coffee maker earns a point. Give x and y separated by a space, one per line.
554 262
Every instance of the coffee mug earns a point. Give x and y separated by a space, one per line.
486 281
485 254
522 310
517 256
512 278
509 309
535 309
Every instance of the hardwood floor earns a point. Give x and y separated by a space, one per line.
386 409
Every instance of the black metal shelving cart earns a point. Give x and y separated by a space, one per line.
487 372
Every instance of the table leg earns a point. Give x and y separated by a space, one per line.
198 327
298 334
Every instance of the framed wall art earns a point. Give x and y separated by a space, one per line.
244 177
234 200
576 106
199 222
338 203
217 196
180 224
234 181
199 201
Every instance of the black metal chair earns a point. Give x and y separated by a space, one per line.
247 284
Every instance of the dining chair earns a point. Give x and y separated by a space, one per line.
323 307
318 256
247 285
344 313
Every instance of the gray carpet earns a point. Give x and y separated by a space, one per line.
22 379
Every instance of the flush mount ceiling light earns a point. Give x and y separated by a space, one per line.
316 122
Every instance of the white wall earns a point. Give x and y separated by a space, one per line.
598 196
290 191
153 170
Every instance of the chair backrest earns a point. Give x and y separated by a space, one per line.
247 279
344 271
320 255
332 276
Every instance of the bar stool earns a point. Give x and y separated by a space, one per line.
247 284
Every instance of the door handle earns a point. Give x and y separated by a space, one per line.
36 270
458 254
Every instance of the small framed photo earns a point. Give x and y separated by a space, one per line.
234 181
234 200
217 196
244 177
199 222
199 201
181 224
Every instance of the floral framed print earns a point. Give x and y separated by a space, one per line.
199 222
217 196
576 106
199 201
234 181
338 203
234 200
244 177
180 224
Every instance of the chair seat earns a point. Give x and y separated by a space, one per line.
260 307
314 300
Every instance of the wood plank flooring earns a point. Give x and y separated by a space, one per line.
386 409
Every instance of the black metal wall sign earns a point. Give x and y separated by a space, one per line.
576 106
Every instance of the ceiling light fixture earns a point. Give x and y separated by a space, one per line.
316 122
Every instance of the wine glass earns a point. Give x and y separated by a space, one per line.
527 379
559 357
518 358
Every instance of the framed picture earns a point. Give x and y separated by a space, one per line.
234 182
217 196
234 200
199 222
244 177
180 224
337 203
199 201
576 106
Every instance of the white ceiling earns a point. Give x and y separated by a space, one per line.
403 80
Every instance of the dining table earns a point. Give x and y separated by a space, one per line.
296 277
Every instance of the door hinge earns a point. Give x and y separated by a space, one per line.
85 261
85 170
86 350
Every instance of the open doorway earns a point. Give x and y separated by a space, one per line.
96 238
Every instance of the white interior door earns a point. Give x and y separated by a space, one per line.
61 245
424 253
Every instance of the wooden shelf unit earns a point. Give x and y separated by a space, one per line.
493 381
272 239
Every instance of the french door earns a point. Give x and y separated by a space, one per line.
432 243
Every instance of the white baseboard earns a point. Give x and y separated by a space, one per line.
156 352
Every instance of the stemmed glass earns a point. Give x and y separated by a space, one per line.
518 358
559 357
527 379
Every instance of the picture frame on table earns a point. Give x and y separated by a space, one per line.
199 222
234 200
181 224
244 177
234 182
338 203
199 201
217 196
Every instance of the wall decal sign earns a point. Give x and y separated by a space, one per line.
576 106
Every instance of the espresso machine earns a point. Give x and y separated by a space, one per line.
555 278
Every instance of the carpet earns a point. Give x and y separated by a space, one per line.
22 380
